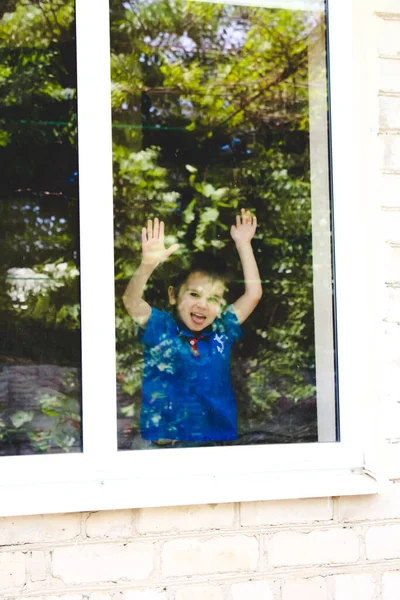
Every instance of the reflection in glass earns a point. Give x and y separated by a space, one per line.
218 107
40 406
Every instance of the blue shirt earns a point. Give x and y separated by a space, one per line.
187 397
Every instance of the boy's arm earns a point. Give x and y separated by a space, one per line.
242 234
153 253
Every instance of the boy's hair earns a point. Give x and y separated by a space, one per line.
206 263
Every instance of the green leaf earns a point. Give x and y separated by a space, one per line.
128 411
209 215
21 417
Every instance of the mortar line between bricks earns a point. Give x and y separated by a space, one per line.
261 551
335 509
249 532
170 594
279 586
387 16
379 585
236 515
169 536
226 578
395 131
307 571
226 592
388 94
157 562
388 56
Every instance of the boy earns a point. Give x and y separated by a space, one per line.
187 392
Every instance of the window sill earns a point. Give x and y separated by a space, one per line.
124 493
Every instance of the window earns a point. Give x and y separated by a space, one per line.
40 348
100 477
219 106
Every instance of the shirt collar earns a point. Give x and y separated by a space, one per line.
183 330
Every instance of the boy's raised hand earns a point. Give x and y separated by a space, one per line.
245 228
153 247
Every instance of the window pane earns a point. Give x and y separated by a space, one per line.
218 107
40 401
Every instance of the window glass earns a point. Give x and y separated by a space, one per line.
219 108
40 403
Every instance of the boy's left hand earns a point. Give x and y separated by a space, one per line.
245 228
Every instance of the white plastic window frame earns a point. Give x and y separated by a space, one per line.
102 478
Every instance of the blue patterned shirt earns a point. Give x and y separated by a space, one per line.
187 397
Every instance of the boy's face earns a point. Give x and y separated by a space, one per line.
200 300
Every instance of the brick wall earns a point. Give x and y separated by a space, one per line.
319 549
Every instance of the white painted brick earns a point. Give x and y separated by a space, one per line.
37 566
391 341
392 460
393 306
144 595
301 589
184 518
392 263
389 75
388 6
390 400
103 562
389 112
390 385
218 555
383 542
39 528
354 587
257 514
331 546
389 189
391 225
209 592
390 38
252 590
51 597
111 524
392 417
63 597
391 586
12 569
100 596
390 144
363 508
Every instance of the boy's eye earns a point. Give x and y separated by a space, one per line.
194 294
215 299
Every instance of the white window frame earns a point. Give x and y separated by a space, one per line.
102 478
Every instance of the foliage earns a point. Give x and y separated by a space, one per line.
218 95
39 300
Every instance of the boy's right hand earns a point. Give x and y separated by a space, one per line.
153 247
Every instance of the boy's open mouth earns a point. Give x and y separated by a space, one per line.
198 318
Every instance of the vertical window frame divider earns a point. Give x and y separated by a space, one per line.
99 413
